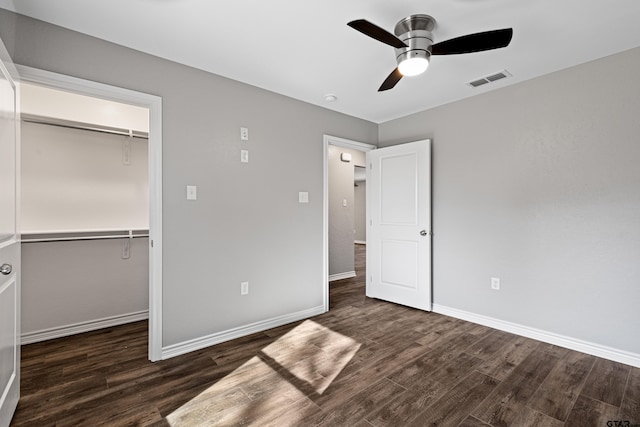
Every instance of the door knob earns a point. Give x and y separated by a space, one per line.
423 233
5 269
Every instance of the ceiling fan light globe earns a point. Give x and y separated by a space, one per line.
413 66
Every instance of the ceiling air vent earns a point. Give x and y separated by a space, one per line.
490 78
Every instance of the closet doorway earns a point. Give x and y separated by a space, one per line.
91 208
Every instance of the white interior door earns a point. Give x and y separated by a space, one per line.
399 224
9 248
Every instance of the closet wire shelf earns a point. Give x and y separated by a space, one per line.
70 236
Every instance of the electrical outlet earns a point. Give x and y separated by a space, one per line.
244 288
244 134
495 283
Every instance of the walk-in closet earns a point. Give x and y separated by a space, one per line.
84 214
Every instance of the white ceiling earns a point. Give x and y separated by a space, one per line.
304 49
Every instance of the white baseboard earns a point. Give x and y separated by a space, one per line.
340 276
593 349
360 242
219 337
79 328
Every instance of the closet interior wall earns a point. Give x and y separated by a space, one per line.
84 221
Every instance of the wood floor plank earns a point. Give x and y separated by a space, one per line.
606 382
348 385
289 416
360 405
267 409
241 352
65 393
588 412
494 342
554 350
558 392
321 369
287 388
402 408
509 399
434 322
141 415
437 365
200 409
630 407
456 404
434 379
393 336
362 423
472 421
528 417
133 373
507 360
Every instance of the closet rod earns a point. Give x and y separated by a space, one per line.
79 238
32 118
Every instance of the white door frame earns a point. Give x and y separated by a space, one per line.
344 143
154 104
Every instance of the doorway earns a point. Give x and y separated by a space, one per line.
398 219
335 147
154 106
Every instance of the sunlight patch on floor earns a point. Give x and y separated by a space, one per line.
278 381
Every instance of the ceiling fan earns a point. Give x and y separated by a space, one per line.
414 44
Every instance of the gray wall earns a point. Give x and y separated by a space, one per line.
74 179
247 224
539 184
360 214
341 218
66 283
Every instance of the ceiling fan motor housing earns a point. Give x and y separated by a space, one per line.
415 32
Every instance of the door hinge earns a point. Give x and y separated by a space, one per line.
151 243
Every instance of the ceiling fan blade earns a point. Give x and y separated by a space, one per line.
476 42
391 81
373 31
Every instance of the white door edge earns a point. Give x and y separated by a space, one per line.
154 104
10 253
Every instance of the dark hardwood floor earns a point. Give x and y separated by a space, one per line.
364 363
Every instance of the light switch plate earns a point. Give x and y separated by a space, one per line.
244 156
191 192
303 197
